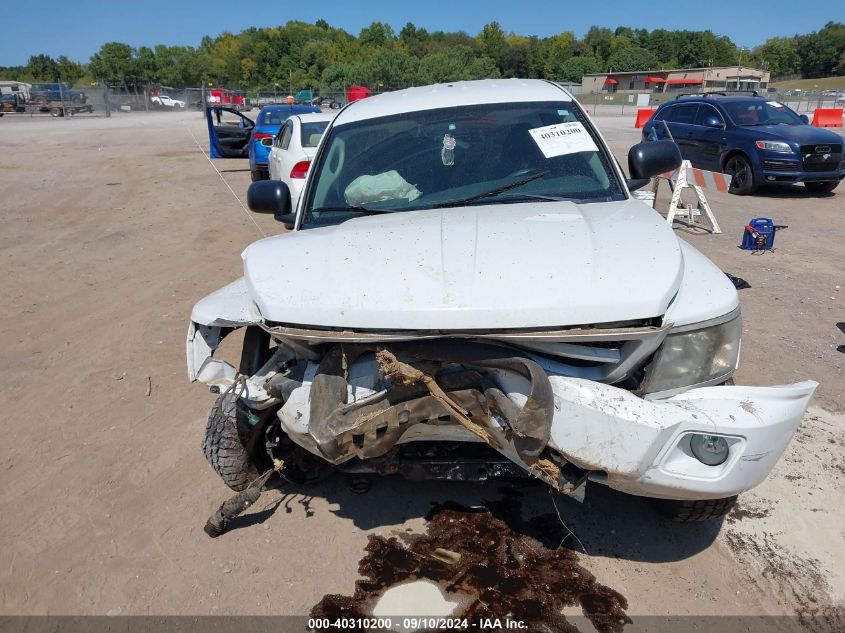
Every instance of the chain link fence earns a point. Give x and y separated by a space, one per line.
110 98
625 102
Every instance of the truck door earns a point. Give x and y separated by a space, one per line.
229 132
708 137
680 122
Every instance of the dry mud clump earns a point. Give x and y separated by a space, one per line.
500 573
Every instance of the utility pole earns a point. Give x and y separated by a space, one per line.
739 66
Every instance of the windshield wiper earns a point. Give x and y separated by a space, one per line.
491 192
356 208
535 196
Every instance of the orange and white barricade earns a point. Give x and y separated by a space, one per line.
688 177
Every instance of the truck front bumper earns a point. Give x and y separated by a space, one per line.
642 447
631 444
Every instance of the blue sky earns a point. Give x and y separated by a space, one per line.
78 28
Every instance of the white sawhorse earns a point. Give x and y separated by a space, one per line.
677 209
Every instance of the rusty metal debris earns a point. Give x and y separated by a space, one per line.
433 383
404 374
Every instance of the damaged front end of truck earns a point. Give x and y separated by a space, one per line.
475 406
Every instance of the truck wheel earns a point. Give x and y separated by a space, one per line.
821 187
227 438
742 175
694 511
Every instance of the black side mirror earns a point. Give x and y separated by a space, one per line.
649 159
804 118
271 196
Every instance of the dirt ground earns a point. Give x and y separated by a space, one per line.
113 228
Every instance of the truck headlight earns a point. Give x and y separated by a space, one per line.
775 146
695 356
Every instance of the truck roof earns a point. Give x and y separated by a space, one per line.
456 93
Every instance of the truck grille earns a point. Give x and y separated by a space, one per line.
603 354
822 157
781 165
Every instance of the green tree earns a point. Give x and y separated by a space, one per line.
69 71
574 68
42 68
456 64
145 64
779 55
522 57
377 34
631 59
600 42
663 44
113 62
821 52
393 68
559 49
492 41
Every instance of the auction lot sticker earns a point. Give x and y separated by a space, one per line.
563 138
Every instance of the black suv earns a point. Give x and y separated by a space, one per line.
755 140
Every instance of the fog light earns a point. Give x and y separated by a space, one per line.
770 177
711 450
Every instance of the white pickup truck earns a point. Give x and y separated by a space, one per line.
469 290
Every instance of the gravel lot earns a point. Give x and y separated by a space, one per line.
113 228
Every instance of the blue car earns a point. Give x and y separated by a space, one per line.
267 126
756 141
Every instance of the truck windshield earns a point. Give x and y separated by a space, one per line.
459 156
759 112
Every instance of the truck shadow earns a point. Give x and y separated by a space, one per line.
607 524
786 192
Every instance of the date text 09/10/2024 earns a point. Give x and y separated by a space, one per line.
416 623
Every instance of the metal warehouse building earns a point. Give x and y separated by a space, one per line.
681 79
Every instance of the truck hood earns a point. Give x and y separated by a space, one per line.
803 134
537 265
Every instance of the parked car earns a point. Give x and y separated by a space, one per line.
470 290
294 148
757 141
43 94
13 102
166 102
325 102
229 132
267 125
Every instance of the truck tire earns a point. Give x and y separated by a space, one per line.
226 440
694 511
742 183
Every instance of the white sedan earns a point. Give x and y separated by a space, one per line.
294 147
167 102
